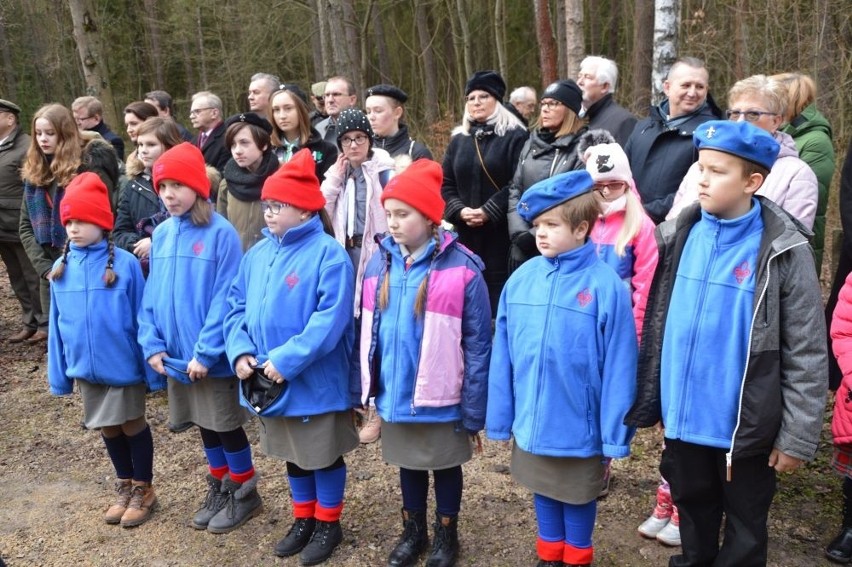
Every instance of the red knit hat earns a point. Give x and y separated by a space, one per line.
183 163
87 199
295 183
420 187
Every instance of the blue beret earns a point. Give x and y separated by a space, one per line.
741 139
553 191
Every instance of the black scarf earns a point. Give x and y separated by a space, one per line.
245 185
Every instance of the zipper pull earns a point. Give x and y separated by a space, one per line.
411 406
728 463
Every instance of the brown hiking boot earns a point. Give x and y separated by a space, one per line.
122 498
142 503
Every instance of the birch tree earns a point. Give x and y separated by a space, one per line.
666 22
574 36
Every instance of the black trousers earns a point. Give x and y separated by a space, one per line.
697 475
25 283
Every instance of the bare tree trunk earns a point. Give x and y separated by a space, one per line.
561 41
93 59
199 35
337 37
500 37
430 73
456 34
643 38
575 48
740 34
666 21
188 69
546 46
152 23
325 40
381 47
9 84
354 43
465 37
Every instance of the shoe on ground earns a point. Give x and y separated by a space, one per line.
213 502
39 336
840 548
179 427
652 526
21 336
122 499
297 538
670 534
242 503
143 500
326 537
372 428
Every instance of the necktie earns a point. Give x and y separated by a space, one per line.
202 139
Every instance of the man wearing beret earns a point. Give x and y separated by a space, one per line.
597 79
660 148
22 275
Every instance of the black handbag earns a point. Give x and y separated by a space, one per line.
261 392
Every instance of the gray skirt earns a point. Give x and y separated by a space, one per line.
311 443
211 403
572 480
425 446
104 406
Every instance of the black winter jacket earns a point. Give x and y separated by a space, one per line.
402 144
138 201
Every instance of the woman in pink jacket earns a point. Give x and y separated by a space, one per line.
791 183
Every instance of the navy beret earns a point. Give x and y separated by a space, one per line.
249 118
295 89
488 81
741 139
388 90
567 92
553 191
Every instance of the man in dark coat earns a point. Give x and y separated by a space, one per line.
206 117
22 275
660 149
88 113
597 79
339 95
165 105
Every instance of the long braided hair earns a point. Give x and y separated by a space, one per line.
109 277
420 300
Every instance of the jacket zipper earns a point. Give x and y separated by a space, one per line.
89 309
730 454
553 163
545 330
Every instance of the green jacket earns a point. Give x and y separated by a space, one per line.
12 152
812 134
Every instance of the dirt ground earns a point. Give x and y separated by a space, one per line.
56 480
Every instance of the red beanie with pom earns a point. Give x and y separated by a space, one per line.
420 187
295 183
87 199
183 163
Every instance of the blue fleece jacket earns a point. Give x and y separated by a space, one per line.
706 339
184 304
92 326
563 365
291 303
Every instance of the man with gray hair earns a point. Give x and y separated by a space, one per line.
206 117
597 79
262 85
523 101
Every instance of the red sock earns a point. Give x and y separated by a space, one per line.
549 550
304 509
218 472
577 555
328 514
243 476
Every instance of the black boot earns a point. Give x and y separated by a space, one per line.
445 546
326 537
297 538
413 541
840 548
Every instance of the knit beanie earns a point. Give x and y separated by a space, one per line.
608 162
567 92
420 187
295 183
350 120
488 81
87 199
184 164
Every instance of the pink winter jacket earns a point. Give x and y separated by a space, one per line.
841 335
334 191
791 184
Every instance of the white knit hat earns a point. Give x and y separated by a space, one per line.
608 162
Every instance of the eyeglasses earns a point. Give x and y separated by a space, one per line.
611 187
750 115
334 95
273 208
357 140
478 98
196 111
550 104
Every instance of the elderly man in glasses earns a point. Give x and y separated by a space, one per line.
206 117
791 183
339 95
660 148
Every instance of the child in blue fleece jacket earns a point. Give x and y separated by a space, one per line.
193 260
95 293
563 367
291 319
